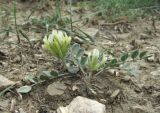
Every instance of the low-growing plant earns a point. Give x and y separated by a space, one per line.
74 59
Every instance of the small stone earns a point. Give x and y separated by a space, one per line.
156 73
108 43
151 59
83 105
8 95
16 111
5 65
113 72
12 39
137 43
2 56
140 109
4 82
17 59
33 40
56 89
129 47
157 109
15 71
4 103
13 104
108 93
126 78
18 84
21 110
123 36
144 36
103 101
75 88
93 32
137 90
115 93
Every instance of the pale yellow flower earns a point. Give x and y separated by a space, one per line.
95 60
57 44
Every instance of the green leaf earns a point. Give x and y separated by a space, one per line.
76 53
72 69
113 61
80 52
24 89
83 61
75 47
124 57
134 54
30 78
54 73
76 50
132 70
47 75
142 54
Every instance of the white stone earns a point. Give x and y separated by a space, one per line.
4 82
83 105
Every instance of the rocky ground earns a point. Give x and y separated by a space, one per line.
117 90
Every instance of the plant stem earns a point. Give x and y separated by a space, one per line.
89 77
15 22
5 90
71 15
26 37
46 80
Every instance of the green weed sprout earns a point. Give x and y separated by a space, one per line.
57 44
95 60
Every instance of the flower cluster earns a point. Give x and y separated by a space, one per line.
57 44
95 60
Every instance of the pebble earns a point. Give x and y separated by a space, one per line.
4 103
157 109
5 82
144 36
141 109
126 78
151 59
115 94
93 32
56 89
156 73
